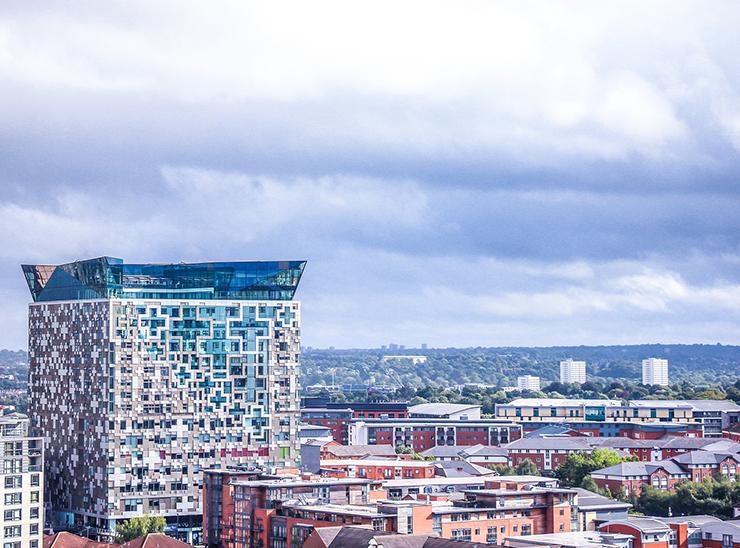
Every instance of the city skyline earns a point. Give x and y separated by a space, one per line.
501 175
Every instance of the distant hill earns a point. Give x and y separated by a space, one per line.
501 366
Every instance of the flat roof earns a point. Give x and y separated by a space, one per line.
378 462
559 402
437 480
301 483
343 509
575 538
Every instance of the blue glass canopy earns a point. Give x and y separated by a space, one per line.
106 277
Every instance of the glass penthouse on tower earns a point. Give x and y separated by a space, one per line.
143 375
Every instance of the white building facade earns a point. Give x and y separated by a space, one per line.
572 371
655 371
528 382
22 484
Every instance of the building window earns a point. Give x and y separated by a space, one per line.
12 499
13 482
34 496
12 515
14 531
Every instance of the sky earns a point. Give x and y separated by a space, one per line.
471 173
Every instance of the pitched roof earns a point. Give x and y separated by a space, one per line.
65 539
443 451
554 430
354 537
623 442
156 540
360 450
588 500
641 468
327 534
460 469
566 442
701 457
484 451
683 442
436 542
440 409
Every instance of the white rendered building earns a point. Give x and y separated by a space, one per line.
572 371
22 484
655 371
528 382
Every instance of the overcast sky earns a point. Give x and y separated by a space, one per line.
455 173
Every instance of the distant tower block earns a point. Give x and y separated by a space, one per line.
655 371
528 382
572 371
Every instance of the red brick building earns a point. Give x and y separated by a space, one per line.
646 532
547 453
378 469
629 477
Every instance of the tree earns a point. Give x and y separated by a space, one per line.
527 468
589 484
579 465
714 497
137 527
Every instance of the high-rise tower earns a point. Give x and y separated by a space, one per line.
142 375
572 371
655 371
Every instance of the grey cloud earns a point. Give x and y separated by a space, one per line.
458 183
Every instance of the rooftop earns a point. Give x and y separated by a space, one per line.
339 509
587 500
640 468
562 402
645 525
440 409
360 450
377 462
459 469
559 442
296 482
109 277
576 538
438 480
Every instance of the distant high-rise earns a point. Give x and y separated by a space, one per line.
21 484
528 382
655 371
143 375
572 371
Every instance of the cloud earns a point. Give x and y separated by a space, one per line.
467 173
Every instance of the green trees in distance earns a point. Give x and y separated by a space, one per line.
414 454
706 366
488 397
524 468
136 527
713 497
576 470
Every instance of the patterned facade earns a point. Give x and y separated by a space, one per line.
21 484
135 397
